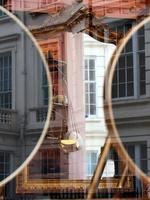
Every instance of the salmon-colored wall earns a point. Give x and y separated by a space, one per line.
74 56
110 8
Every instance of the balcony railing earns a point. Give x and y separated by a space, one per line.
8 118
41 114
37 116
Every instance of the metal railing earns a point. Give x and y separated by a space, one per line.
37 117
41 114
8 118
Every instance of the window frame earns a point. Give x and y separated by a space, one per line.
6 163
136 70
87 82
2 14
137 155
89 164
45 87
5 80
12 51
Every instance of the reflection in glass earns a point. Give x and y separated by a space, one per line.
21 98
131 113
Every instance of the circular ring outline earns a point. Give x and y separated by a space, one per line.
47 122
113 132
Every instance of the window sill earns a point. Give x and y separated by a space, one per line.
4 18
96 119
130 101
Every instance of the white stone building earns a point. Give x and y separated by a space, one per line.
96 56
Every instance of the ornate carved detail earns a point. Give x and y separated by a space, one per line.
26 185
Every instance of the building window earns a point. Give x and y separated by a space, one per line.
49 164
129 74
54 74
4 164
141 61
90 87
138 153
109 170
2 3
92 157
44 86
5 80
122 85
113 165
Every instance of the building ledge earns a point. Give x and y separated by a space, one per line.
128 102
93 120
9 37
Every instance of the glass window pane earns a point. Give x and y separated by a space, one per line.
141 31
10 99
2 3
1 62
92 87
143 151
5 85
86 64
86 110
129 60
124 71
6 59
92 109
128 47
115 77
86 75
1 168
122 91
7 157
91 64
6 99
1 157
141 58
45 95
87 98
120 29
89 169
142 88
114 91
5 79
91 160
93 157
122 76
10 59
7 168
142 73
141 43
122 62
86 87
130 150
130 75
130 89
144 165
128 26
92 75
1 175
92 98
